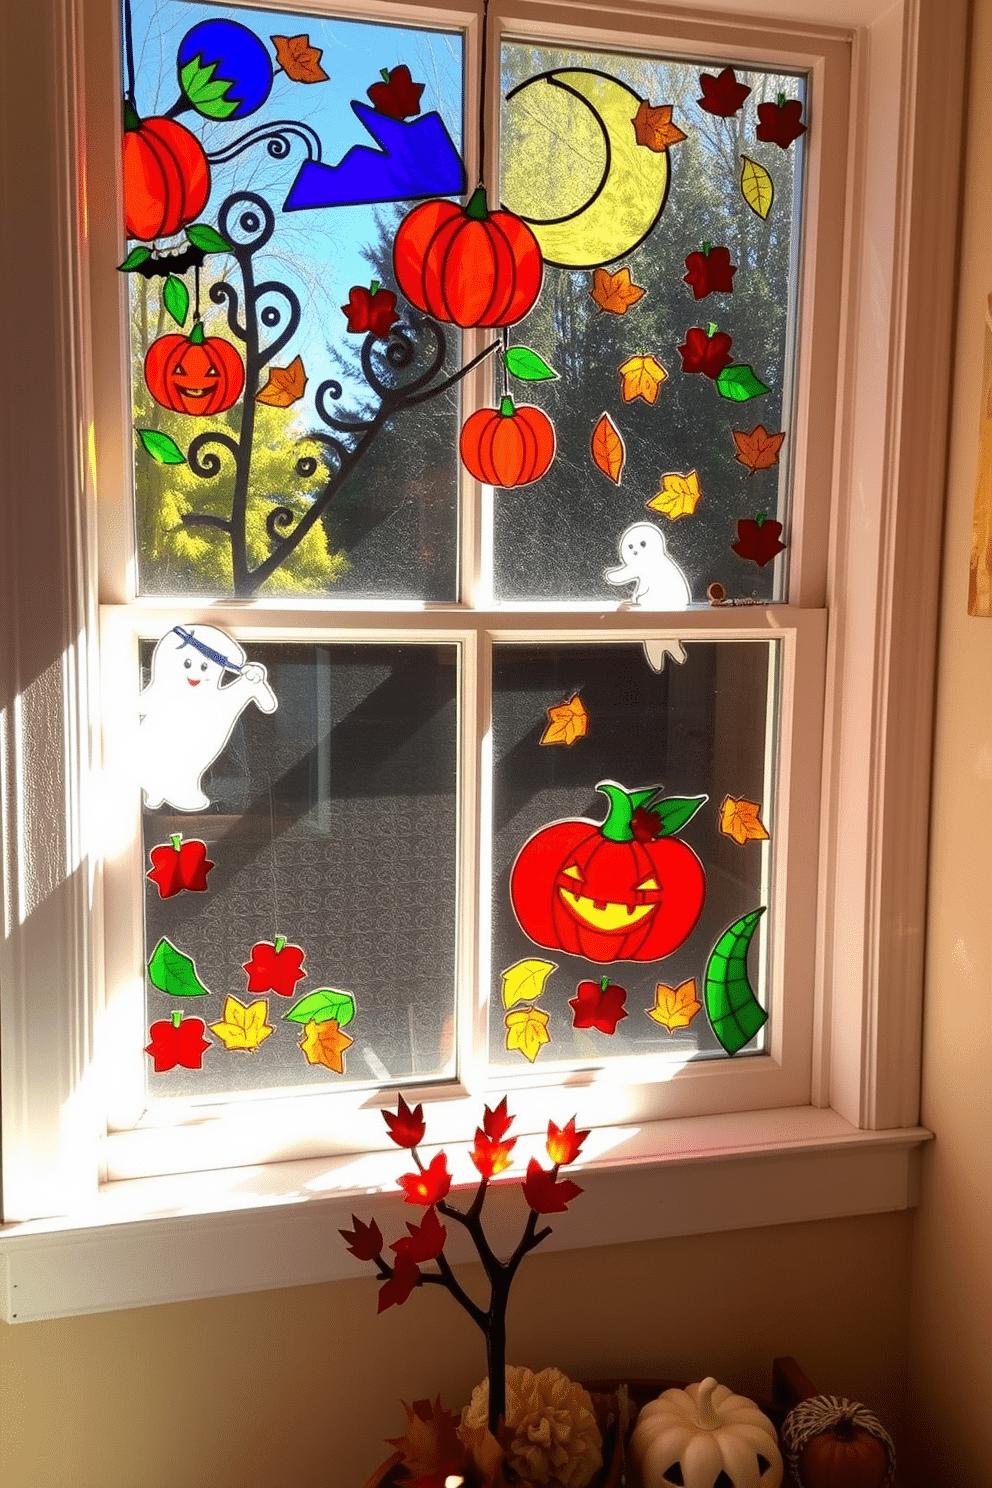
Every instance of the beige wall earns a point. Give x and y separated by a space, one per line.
950 1373
297 1389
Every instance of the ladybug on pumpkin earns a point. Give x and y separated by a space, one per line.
626 889
196 374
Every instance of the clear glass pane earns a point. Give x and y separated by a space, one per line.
634 892
331 824
287 422
650 208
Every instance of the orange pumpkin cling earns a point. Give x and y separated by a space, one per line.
466 264
166 177
508 446
195 374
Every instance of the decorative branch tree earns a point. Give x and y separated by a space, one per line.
429 1186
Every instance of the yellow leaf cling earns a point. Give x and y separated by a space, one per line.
285 386
527 1030
757 187
675 1007
525 980
325 1043
679 495
740 820
608 449
566 722
243 1025
642 378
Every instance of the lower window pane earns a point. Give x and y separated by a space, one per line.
331 825
633 816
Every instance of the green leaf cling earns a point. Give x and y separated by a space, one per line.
739 383
321 1006
201 235
163 450
527 365
205 92
135 257
176 297
174 973
675 812
734 1012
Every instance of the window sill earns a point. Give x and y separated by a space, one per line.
152 1240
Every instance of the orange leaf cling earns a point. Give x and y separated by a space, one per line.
285 385
653 126
325 1043
430 1448
566 722
564 1142
615 292
544 1194
675 1007
741 821
608 449
406 1275
430 1185
759 449
490 1156
642 377
298 59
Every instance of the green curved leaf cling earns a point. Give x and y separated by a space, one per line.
675 812
202 235
206 93
527 365
174 973
176 297
734 1012
321 1006
163 449
137 256
739 383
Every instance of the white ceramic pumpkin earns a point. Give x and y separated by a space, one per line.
706 1429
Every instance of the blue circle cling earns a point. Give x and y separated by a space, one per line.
225 71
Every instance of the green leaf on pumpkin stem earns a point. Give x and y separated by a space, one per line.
739 383
174 973
676 812
527 365
321 1006
163 450
176 297
202 235
137 256
205 92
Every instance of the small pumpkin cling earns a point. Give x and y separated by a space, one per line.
508 445
709 1434
623 890
166 176
196 374
466 264
831 1441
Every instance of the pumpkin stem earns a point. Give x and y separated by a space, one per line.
478 205
704 1403
177 1018
176 839
506 409
131 119
197 335
623 803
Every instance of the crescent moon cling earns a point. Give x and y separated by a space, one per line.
613 188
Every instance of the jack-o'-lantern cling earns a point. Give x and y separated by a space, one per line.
196 374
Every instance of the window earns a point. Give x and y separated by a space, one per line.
464 639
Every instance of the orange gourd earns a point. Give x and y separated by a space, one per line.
508 445
166 177
195 374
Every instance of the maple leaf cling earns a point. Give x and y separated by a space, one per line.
490 1156
177 1040
710 271
705 352
325 1043
397 95
598 1005
406 1127
179 865
642 377
741 820
544 1194
371 309
274 966
723 94
780 122
615 292
429 1186
566 722
653 126
364 1241
298 59
286 385
758 539
425 1241
758 450
564 1142
675 1007
406 1275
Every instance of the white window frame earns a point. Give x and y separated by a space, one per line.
71 1243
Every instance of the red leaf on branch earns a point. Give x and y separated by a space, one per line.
710 271
179 865
274 967
544 1194
364 1241
399 97
425 1241
371 310
704 353
598 1005
406 1274
428 1187
496 1123
407 1127
758 539
489 1156
723 94
564 1143
780 123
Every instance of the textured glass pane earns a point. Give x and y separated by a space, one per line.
645 905
569 149
331 825
289 406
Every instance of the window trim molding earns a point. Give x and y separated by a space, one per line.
883 579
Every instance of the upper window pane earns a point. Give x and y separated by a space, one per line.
250 225
632 188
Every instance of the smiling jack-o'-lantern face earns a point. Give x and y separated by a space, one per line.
195 374
625 890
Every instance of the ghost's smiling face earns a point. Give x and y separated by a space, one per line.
198 669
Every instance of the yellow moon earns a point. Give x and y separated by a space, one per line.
574 170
